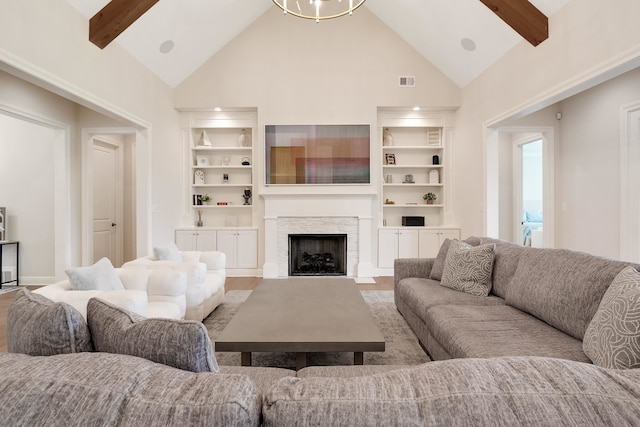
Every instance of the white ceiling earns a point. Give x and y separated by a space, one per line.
435 28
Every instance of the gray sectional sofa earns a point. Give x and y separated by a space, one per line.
540 304
517 359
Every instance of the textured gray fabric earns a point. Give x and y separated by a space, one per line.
183 344
348 371
100 389
422 294
472 331
438 263
100 276
262 378
562 287
41 327
505 264
612 339
468 268
463 392
411 267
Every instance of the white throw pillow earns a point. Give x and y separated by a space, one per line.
468 268
612 339
167 253
100 276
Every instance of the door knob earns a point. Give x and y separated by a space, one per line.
113 224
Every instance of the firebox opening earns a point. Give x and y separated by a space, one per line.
317 254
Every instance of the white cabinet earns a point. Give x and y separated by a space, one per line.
220 166
414 162
240 246
431 240
196 240
407 242
397 243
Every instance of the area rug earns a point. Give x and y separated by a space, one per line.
402 347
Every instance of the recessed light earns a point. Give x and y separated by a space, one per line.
468 44
416 108
167 46
217 109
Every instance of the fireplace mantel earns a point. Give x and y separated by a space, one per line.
347 210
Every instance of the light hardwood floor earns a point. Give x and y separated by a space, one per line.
232 283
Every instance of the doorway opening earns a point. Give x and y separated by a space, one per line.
529 193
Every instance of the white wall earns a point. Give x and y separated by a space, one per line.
27 178
47 40
587 38
589 165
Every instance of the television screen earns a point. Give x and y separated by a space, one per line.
317 154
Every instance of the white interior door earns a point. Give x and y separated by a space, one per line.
107 201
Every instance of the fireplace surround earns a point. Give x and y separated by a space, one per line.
296 213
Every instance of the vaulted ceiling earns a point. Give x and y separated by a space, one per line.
460 37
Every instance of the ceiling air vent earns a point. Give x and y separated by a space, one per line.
407 81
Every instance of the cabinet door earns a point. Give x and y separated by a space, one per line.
206 240
387 247
227 243
429 243
408 246
247 249
186 240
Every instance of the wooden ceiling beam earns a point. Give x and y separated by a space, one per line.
114 18
523 17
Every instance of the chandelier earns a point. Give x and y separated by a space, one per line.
318 9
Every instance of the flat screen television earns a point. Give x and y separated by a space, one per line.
317 154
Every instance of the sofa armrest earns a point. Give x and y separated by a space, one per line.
214 260
411 267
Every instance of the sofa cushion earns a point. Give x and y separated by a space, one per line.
612 339
169 252
505 263
465 392
40 327
468 268
90 389
562 287
100 276
476 331
422 294
182 344
438 263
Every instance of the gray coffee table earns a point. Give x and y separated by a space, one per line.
302 315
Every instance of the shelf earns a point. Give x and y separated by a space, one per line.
247 167
412 147
416 184
221 148
220 185
222 207
412 166
419 205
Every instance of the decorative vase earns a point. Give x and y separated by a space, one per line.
429 202
204 140
387 137
243 140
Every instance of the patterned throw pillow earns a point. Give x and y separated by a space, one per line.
40 327
468 268
100 276
183 344
612 339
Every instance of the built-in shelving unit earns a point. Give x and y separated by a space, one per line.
221 162
415 147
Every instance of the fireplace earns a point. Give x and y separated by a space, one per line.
317 254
